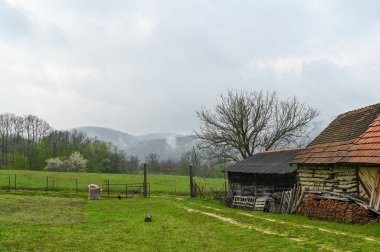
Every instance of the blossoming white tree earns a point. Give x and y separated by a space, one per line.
76 163
54 164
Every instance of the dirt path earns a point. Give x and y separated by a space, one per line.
260 230
216 209
239 224
230 220
312 227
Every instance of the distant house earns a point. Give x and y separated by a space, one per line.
345 157
263 173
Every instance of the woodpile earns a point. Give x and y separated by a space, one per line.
336 210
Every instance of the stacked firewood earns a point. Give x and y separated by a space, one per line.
335 210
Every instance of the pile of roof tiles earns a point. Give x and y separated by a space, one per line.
335 210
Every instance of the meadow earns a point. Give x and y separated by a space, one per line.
70 182
43 223
52 222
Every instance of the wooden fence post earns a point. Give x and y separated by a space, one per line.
145 182
108 187
126 190
191 182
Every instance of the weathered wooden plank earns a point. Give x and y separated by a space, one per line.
376 193
367 177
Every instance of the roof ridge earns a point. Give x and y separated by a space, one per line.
349 125
353 137
369 107
281 150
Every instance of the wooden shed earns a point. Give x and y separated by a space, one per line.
345 157
263 173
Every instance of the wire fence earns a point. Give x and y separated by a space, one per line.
73 186
126 190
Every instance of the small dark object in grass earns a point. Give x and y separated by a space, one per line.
148 218
119 197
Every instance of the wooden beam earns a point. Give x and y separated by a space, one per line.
377 185
365 187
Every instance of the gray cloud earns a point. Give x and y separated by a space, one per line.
146 66
14 23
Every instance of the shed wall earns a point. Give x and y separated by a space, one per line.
331 178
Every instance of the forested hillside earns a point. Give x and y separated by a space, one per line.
28 141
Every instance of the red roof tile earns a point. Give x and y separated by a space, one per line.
353 137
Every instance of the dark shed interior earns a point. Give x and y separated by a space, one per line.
263 174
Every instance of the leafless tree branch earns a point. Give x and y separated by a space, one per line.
242 123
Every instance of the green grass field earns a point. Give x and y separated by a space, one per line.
66 181
51 222
43 223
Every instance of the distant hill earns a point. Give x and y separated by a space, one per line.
166 145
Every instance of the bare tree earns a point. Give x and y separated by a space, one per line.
6 127
243 122
34 129
152 159
132 164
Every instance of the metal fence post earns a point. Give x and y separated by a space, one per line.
15 182
126 190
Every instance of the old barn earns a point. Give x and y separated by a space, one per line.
345 157
263 173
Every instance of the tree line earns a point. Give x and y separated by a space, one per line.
30 143
26 142
238 126
202 165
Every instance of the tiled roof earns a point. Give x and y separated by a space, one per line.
276 161
281 150
353 137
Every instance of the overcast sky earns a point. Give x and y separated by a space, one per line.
147 66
